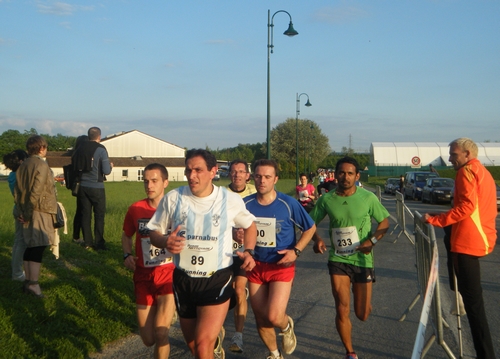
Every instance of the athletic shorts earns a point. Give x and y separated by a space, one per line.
355 273
191 293
150 283
264 273
237 271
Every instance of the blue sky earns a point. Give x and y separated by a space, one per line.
193 73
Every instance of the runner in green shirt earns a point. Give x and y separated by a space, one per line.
350 210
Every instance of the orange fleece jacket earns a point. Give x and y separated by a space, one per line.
474 213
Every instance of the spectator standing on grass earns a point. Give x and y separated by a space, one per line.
36 207
239 175
91 159
276 253
433 170
12 161
350 262
153 267
195 223
473 235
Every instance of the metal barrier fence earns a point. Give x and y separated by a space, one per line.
427 263
401 212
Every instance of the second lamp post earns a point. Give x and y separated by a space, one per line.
307 104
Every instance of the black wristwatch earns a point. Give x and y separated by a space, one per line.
126 255
250 251
297 251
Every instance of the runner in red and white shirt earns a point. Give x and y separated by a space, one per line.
153 267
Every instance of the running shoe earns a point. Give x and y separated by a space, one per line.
218 350
271 356
236 344
289 341
351 356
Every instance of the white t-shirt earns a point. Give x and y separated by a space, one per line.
206 223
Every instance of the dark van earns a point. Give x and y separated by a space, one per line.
414 182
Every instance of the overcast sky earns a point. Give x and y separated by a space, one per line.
194 73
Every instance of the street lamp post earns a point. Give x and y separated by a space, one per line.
305 146
307 104
289 32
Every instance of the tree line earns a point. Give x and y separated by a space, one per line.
313 147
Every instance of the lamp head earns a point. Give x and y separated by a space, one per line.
290 31
308 104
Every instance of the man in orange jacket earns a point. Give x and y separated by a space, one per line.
473 234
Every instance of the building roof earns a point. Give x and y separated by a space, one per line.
58 159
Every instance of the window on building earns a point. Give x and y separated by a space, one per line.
140 174
124 173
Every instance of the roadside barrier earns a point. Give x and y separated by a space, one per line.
378 193
401 211
427 263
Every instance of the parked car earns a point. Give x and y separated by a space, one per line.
391 185
414 182
438 190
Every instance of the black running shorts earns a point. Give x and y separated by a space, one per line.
193 292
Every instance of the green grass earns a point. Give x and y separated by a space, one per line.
89 296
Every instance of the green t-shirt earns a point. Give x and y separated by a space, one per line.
350 224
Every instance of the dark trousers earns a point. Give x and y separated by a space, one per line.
93 199
468 271
77 220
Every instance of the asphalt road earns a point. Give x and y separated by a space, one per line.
382 336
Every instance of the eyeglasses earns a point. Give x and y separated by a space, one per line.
234 173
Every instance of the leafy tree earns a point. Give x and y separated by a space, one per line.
313 145
11 140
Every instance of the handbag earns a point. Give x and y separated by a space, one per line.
59 218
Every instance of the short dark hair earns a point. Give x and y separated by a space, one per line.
349 160
266 162
94 133
302 174
34 144
13 160
209 158
237 162
157 166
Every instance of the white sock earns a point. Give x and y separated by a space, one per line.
276 353
287 327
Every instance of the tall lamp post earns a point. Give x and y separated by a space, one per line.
289 32
307 104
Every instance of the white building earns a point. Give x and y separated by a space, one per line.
421 154
130 152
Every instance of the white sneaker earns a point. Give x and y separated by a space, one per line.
21 278
236 344
218 350
289 341
271 356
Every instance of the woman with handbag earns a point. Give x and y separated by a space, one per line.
36 204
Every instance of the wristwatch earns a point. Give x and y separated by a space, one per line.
373 240
250 251
126 255
297 251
